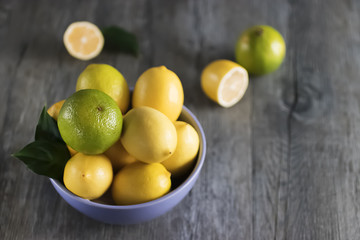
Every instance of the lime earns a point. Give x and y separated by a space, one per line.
106 78
140 182
159 88
260 49
88 176
90 121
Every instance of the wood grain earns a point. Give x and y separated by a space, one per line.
281 164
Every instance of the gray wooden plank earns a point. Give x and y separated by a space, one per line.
269 127
319 127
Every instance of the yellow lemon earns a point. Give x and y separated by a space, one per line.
118 156
88 176
53 111
159 88
224 82
71 150
83 40
186 150
148 135
107 79
140 182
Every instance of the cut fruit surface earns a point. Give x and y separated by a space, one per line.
225 82
233 87
83 40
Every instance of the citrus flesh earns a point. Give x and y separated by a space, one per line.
107 79
260 49
88 176
224 82
159 88
90 121
140 182
83 40
148 135
118 156
186 150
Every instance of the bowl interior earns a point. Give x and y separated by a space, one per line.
180 184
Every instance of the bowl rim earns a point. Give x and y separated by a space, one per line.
192 177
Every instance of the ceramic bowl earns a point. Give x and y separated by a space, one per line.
131 214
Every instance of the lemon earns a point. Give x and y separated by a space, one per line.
71 150
88 176
106 78
186 150
140 182
118 156
90 121
260 49
159 88
224 82
83 40
148 135
53 111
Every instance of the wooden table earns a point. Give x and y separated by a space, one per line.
281 164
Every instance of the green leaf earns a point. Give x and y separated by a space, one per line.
118 39
47 128
48 154
45 157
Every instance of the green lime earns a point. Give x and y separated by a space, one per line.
260 49
90 121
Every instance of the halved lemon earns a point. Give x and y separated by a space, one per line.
224 82
83 40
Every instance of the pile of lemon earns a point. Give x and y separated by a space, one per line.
133 152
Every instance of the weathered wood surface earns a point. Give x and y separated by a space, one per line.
281 164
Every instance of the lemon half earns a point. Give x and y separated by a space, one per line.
83 40
224 82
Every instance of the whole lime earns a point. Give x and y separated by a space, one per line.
260 49
90 121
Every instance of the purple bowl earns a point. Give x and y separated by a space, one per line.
137 213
